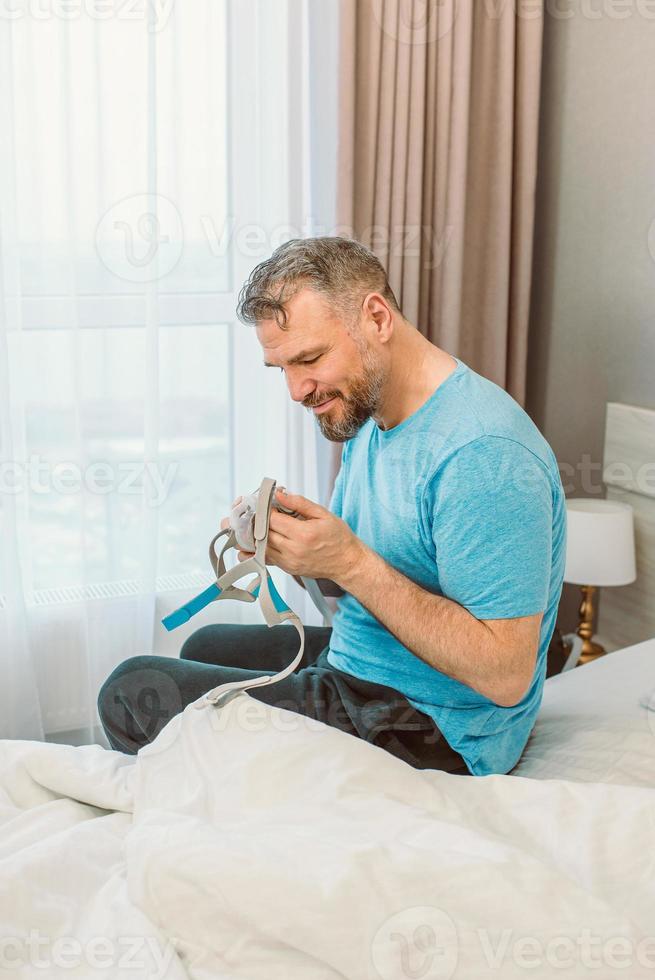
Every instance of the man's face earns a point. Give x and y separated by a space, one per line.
324 363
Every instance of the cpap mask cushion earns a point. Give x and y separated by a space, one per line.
242 518
248 531
242 522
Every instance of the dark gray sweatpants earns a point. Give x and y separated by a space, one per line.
143 693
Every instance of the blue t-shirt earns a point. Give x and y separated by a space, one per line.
463 497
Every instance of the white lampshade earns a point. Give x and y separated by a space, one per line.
600 542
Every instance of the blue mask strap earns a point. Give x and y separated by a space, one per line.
211 594
193 606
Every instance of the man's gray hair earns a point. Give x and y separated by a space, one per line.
343 270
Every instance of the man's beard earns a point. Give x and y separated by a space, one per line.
356 407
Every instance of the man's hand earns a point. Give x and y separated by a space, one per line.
317 544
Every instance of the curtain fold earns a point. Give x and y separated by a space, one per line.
439 108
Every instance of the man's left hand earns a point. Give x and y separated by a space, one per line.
320 546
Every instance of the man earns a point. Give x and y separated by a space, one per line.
446 532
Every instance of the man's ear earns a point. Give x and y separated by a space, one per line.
378 313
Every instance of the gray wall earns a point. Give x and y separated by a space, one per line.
592 329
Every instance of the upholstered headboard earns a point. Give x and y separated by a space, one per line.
627 613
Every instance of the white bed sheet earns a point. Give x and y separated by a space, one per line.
252 844
591 726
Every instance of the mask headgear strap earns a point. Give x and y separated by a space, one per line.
273 607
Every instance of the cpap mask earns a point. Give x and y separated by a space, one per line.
248 531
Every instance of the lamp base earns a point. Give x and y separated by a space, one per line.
590 651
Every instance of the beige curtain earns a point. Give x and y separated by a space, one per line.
439 108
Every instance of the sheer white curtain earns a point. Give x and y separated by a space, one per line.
149 160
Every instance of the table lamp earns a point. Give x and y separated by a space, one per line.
600 551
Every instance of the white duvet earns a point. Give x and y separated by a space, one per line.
253 843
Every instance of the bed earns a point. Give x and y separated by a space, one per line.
591 725
254 843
